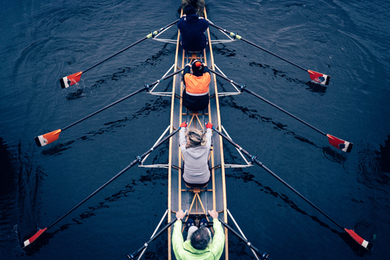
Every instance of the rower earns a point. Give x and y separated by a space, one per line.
195 147
196 92
192 29
199 244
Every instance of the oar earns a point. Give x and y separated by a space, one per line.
137 160
315 76
352 233
48 138
74 78
136 253
340 144
263 256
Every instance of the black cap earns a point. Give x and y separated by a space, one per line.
189 9
197 68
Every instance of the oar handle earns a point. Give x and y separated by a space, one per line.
254 158
136 253
236 36
243 88
150 35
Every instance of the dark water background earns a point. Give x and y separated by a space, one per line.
42 41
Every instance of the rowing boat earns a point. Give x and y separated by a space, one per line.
180 197
197 201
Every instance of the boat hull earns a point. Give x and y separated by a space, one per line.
197 201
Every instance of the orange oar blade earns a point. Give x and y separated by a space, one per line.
344 146
359 239
34 237
319 77
70 80
48 138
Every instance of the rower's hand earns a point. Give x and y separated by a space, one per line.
213 214
209 125
181 214
184 124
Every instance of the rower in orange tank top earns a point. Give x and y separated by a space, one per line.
196 92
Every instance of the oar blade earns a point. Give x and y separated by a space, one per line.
319 77
70 80
359 239
48 138
34 237
340 144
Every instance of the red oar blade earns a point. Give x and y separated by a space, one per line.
68 81
48 138
34 237
359 239
340 144
319 77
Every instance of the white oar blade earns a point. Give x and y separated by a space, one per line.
359 239
319 77
48 138
34 237
340 144
68 81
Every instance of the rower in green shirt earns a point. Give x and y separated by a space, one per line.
199 244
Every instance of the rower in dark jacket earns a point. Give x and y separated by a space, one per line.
196 92
192 29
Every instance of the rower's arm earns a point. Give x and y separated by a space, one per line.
187 69
182 137
177 239
208 137
218 242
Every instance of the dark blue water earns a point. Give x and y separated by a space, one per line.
42 41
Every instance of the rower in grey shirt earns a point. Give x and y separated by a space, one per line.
195 147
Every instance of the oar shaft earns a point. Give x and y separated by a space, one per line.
284 111
96 191
295 191
239 236
112 56
131 45
158 144
138 159
268 102
261 48
106 107
257 46
165 77
133 255
146 87
276 176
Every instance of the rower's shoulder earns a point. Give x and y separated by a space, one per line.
203 20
